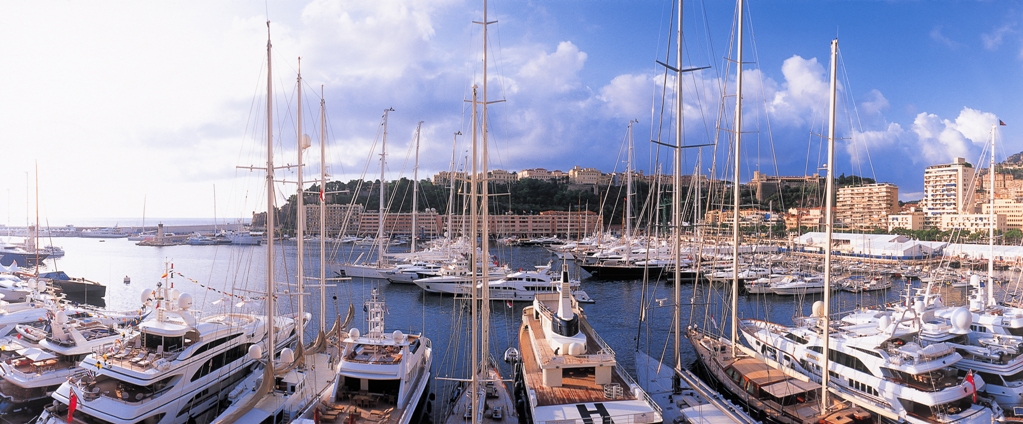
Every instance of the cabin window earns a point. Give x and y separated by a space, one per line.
567 328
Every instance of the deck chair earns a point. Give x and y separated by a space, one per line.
140 356
149 360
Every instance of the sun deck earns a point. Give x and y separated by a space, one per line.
578 373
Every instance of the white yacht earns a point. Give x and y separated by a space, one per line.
877 365
523 286
382 378
176 370
796 285
31 373
13 288
567 373
456 279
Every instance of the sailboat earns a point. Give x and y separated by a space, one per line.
298 377
877 364
767 392
374 270
485 397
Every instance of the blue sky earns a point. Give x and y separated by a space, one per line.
128 106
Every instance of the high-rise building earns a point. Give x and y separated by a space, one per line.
946 190
866 207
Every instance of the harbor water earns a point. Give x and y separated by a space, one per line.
628 315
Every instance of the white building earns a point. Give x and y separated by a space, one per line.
946 190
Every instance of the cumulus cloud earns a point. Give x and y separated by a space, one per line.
627 96
556 72
940 140
805 90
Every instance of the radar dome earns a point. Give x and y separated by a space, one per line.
185 301
287 355
353 333
975 280
32 283
961 320
41 286
575 348
397 335
60 317
817 310
146 295
174 294
884 322
255 352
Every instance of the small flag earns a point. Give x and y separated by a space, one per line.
509 303
969 379
71 405
1001 123
321 194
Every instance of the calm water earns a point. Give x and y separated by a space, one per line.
209 271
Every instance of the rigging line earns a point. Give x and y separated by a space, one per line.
856 113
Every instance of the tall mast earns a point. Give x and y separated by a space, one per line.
829 217
300 215
474 266
323 211
991 229
735 183
676 198
484 214
380 219
270 224
451 190
415 190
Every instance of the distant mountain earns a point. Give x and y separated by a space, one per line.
1014 160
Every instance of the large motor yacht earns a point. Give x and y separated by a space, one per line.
176 370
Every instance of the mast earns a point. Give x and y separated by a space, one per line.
475 265
829 226
991 229
735 184
300 214
451 190
676 197
380 218
415 190
270 225
323 211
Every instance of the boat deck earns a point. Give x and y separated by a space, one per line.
578 383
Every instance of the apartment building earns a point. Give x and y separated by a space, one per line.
946 191
972 222
1011 208
866 207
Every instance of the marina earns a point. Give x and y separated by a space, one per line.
614 315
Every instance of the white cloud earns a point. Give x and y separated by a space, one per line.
874 104
994 39
804 92
628 96
941 140
554 73
938 35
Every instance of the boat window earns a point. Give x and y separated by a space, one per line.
1015 331
567 328
796 338
226 357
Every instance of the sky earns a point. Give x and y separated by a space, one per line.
132 110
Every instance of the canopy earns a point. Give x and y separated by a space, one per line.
36 354
789 388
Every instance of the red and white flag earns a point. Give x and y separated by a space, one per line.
72 404
969 379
